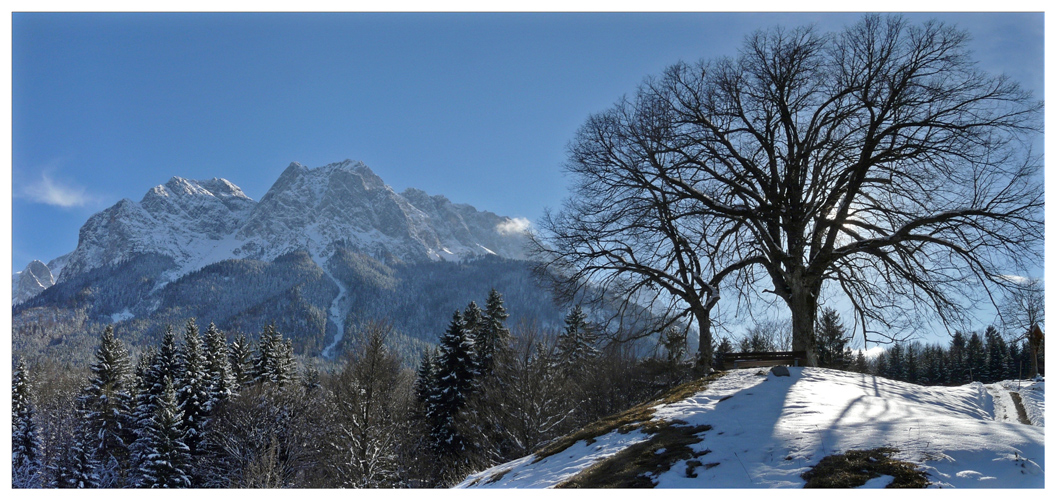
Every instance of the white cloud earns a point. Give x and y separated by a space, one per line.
59 193
513 226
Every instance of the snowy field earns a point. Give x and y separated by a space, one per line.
767 430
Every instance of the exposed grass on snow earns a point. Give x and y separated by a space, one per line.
856 467
637 465
638 417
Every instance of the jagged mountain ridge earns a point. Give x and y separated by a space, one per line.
323 252
200 222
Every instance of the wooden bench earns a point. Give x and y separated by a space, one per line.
754 359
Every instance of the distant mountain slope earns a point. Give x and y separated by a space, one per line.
323 251
750 429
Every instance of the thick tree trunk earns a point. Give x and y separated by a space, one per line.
803 304
705 352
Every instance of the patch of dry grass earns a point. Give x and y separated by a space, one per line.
855 467
638 417
637 465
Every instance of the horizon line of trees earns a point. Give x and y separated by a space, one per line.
985 357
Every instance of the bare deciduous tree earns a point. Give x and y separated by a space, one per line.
878 160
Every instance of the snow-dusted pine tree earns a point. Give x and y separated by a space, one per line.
455 372
26 467
241 356
576 342
493 334
167 458
221 376
162 363
106 409
193 392
273 362
80 469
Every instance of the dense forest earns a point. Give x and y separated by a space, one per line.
216 410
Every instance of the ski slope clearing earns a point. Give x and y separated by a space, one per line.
765 431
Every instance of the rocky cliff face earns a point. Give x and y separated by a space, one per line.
35 278
200 222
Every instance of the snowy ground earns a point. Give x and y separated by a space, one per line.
767 430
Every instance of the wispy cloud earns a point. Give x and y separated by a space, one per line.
57 192
513 226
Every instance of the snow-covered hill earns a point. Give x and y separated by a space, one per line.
758 430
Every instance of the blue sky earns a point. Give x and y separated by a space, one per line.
478 107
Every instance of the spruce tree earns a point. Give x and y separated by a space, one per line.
106 407
241 356
273 363
218 366
162 363
493 335
26 467
575 345
958 364
831 340
81 468
720 351
455 372
193 393
975 357
167 458
997 355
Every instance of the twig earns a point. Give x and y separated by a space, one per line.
745 468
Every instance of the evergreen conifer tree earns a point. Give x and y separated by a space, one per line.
218 366
861 364
975 357
831 340
273 363
725 347
193 393
493 336
81 470
455 373
997 355
958 362
157 365
106 407
576 342
241 356
167 459
26 466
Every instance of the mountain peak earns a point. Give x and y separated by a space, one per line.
341 204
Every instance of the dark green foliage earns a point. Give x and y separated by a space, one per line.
26 465
106 407
220 374
724 347
193 393
576 344
241 356
455 372
166 457
831 340
493 333
975 357
273 362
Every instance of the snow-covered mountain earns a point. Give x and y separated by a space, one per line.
752 429
200 222
324 251
29 282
